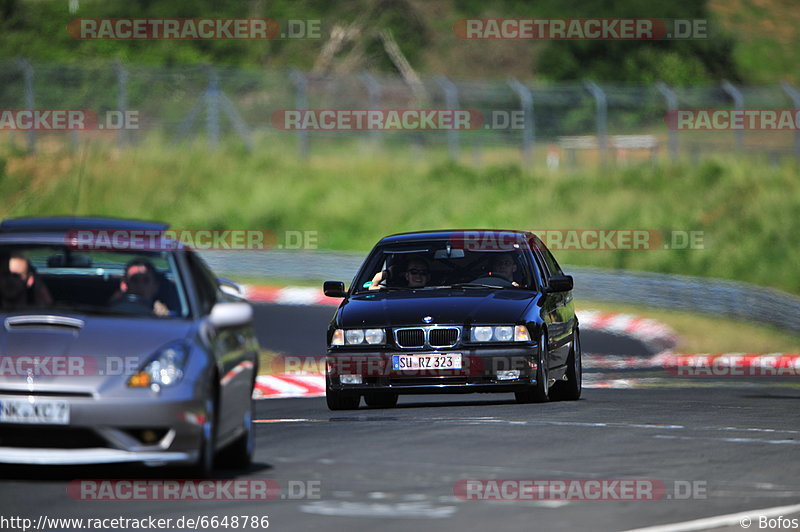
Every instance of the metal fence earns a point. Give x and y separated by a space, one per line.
561 123
674 292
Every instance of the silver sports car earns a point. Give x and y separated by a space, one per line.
119 352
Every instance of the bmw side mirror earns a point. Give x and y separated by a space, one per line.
333 289
560 283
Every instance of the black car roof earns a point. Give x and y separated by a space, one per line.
449 233
63 224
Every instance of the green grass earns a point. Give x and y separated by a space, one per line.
352 195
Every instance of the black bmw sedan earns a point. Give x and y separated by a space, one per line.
454 312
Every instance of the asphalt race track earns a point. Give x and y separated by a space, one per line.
710 447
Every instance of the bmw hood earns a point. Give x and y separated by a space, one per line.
443 306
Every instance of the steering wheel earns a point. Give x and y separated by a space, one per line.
493 280
133 303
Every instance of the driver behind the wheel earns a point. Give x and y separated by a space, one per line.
503 265
139 286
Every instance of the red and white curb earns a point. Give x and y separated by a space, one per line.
655 335
295 385
287 386
289 295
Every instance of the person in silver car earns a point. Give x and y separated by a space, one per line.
20 286
139 288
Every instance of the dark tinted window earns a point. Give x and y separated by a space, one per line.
552 265
204 281
432 264
69 278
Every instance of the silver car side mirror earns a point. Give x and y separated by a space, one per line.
231 315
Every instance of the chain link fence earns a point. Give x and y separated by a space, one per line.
673 292
560 123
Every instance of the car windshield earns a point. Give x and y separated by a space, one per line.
432 265
57 278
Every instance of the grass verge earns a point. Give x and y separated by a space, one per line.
352 194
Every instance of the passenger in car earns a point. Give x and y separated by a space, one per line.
139 287
417 273
20 286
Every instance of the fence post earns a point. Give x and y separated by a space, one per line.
672 105
300 83
450 102
122 101
239 125
374 96
30 103
212 108
529 132
601 103
795 96
738 103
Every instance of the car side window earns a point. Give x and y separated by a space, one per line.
538 272
204 281
542 266
552 265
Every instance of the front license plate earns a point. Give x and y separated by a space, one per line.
37 412
426 361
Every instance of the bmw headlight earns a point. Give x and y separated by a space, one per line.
500 333
504 334
354 336
165 368
358 337
481 334
375 336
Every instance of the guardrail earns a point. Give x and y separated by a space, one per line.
675 292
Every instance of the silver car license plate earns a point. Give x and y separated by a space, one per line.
38 411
